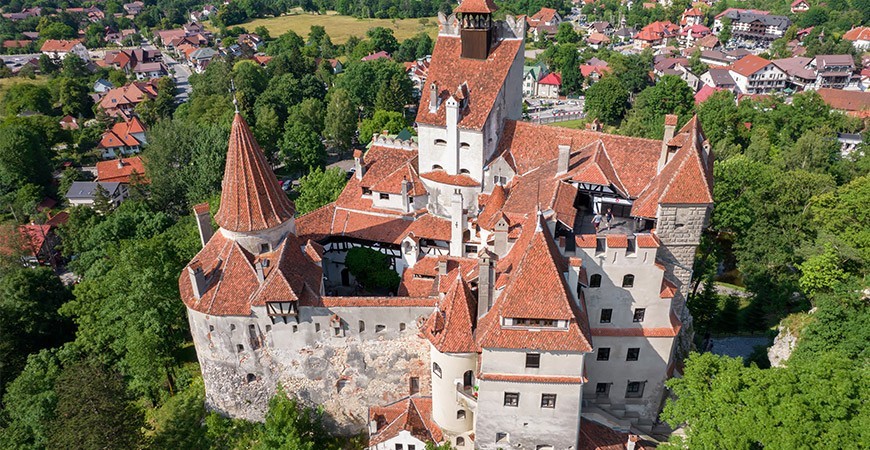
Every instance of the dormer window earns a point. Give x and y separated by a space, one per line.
532 323
281 312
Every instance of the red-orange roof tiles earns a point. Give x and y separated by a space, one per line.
120 170
617 241
476 6
393 302
450 327
441 176
251 198
548 379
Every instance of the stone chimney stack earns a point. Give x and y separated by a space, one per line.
453 135
359 164
433 97
120 163
197 278
500 234
458 224
259 267
442 266
564 158
203 222
574 267
485 282
406 195
670 128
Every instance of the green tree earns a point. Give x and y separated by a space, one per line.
23 157
290 425
301 147
56 30
725 33
671 95
73 97
268 131
572 79
29 403
391 121
21 97
718 116
341 119
607 100
695 65
383 39
74 67
393 95
814 151
102 202
633 70
310 111
93 410
371 268
318 188
29 300
566 34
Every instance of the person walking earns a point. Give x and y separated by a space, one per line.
608 218
596 221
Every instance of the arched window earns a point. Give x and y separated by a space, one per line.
460 414
250 378
464 145
464 171
595 281
440 142
437 167
436 369
628 281
460 442
468 379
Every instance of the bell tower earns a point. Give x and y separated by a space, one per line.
476 27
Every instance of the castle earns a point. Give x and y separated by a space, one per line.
516 323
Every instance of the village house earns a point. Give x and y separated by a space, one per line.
549 86
85 193
25 13
756 75
832 71
691 17
121 170
134 8
655 34
122 101
544 23
799 6
58 49
859 37
516 322
416 70
123 138
749 27
852 103
796 68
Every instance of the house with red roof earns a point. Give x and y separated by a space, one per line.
377 55
122 101
755 75
121 170
655 34
34 244
506 328
859 37
58 49
123 138
692 16
852 103
799 6
546 21
549 85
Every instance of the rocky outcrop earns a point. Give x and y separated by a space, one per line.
782 347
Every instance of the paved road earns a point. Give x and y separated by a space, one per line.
571 109
179 71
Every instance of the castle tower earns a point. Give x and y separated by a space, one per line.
476 27
254 211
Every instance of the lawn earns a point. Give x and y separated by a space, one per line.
576 124
340 28
40 79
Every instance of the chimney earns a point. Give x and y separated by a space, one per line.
574 266
670 127
359 164
433 97
501 237
203 222
453 134
197 278
564 157
120 163
485 281
442 266
259 268
406 194
458 225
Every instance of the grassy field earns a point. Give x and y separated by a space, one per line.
340 28
576 124
6 82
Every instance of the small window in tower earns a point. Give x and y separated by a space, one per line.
464 145
250 378
595 281
379 328
604 354
211 328
440 142
460 415
362 326
628 281
436 369
548 400
402 326
232 327
639 314
606 315
268 328
460 442
316 327
502 438
415 385
384 196
295 328
366 191
465 171
240 348
512 399
264 248
633 354
533 360
437 167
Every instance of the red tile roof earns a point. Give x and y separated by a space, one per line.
413 414
251 198
393 302
544 15
492 211
857 34
617 241
59 45
749 65
120 170
441 176
552 79
594 436
484 78
450 327
852 101
476 6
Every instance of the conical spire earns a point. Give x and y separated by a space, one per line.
251 198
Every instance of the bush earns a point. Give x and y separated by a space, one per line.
372 269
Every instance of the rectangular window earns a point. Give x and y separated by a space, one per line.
603 354
634 389
639 314
601 388
367 191
316 327
470 249
533 360
400 447
633 354
512 399
548 400
384 196
415 385
412 447
606 315
264 248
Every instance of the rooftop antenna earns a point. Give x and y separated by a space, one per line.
235 99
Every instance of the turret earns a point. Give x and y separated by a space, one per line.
476 30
